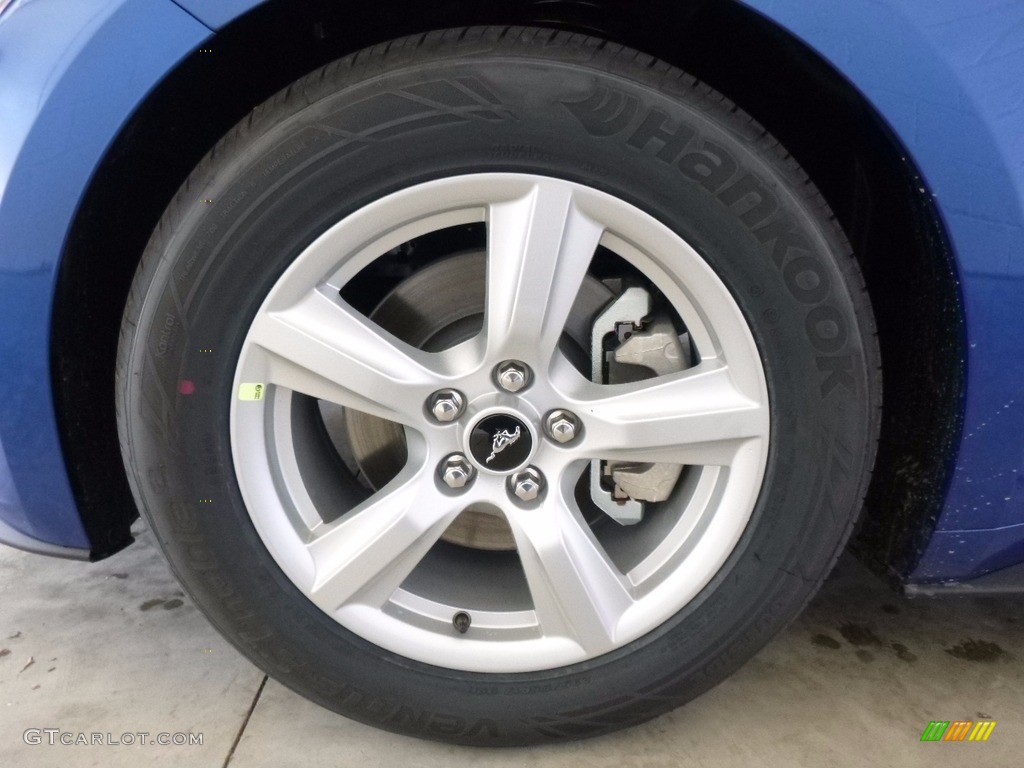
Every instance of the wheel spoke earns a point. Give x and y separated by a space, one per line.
322 347
577 591
367 554
539 249
696 417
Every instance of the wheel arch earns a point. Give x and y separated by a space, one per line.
866 175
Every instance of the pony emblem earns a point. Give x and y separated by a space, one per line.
502 440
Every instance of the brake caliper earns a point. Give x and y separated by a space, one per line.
628 344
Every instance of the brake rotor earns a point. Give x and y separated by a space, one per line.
434 309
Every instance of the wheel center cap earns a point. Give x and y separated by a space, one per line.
500 443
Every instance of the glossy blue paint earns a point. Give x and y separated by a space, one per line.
216 13
947 75
956 556
11 509
65 91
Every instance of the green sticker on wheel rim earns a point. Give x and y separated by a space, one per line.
251 391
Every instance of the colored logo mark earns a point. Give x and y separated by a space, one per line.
958 730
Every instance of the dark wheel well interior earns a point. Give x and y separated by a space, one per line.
821 119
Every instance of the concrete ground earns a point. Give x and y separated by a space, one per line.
115 647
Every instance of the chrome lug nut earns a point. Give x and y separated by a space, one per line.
446 405
527 484
513 376
561 426
456 471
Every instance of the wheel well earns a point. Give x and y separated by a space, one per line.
861 168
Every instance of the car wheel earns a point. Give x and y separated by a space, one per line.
499 386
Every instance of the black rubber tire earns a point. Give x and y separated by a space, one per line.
498 99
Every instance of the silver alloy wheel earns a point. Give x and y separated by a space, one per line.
542 234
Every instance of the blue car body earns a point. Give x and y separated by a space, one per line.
947 76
